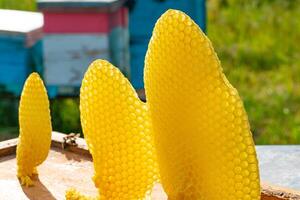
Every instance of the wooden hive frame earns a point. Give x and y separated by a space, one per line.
76 148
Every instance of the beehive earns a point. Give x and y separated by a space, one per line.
20 48
77 32
149 11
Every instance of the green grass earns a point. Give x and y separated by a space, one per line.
258 44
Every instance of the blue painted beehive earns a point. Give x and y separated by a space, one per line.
142 17
20 48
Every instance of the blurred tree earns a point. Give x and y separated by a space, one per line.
65 115
18 4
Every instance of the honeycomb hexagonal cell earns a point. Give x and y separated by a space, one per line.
118 132
202 136
35 128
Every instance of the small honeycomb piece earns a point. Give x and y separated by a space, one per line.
73 194
35 128
118 131
202 136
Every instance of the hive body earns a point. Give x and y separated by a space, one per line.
118 132
35 128
202 136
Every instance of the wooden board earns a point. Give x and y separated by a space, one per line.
77 22
71 166
140 32
59 172
66 57
119 49
84 22
81 4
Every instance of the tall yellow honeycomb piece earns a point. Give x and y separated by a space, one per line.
202 135
118 131
35 128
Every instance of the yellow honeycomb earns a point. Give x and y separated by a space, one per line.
201 130
118 132
73 194
35 128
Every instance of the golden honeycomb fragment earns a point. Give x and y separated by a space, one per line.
118 132
202 136
35 128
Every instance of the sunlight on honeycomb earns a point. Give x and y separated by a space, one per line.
35 128
118 132
202 135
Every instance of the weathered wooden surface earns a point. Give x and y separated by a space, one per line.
71 166
119 49
60 171
77 22
277 193
77 33
8 147
58 141
63 169
66 57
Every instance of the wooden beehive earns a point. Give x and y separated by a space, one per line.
20 48
142 17
78 32
70 165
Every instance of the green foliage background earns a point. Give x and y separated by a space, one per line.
258 44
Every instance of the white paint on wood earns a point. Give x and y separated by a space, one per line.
67 56
20 22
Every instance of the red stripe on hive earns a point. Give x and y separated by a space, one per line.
79 22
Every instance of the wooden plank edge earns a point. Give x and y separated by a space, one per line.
8 147
59 141
268 192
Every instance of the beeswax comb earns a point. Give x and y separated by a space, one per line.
202 135
35 128
118 131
